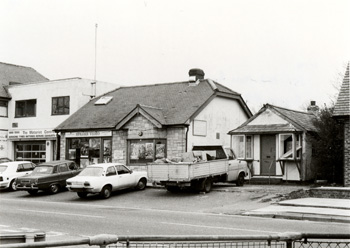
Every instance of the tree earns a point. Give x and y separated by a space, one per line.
327 147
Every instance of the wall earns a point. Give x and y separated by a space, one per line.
268 117
221 115
43 93
175 136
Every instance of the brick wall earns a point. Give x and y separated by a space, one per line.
347 152
176 137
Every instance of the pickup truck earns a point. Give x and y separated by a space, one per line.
199 169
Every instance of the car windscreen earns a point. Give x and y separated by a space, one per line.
42 170
3 168
92 172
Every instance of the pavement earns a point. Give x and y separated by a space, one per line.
271 201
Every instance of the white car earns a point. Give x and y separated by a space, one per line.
104 178
9 171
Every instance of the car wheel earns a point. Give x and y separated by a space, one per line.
141 185
106 192
240 180
33 192
82 194
12 185
54 188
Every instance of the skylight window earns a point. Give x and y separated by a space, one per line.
104 100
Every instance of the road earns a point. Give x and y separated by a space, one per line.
153 211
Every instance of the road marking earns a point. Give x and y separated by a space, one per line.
216 227
47 212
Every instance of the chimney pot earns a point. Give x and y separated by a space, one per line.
197 73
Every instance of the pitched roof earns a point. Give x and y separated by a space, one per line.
297 121
168 104
342 106
16 74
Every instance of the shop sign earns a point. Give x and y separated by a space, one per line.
29 134
88 134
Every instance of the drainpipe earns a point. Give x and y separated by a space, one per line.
186 138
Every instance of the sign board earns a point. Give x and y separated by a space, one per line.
88 134
29 134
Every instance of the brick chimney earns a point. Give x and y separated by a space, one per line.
313 108
196 74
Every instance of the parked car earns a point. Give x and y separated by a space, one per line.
9 171
48 176
4 159
104 178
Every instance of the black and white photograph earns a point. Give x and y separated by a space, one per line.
163 123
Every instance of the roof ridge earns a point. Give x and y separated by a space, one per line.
16 65
142 105
157 84
292 110
227 88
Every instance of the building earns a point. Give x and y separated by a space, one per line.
12 75
342 114
35 109
274 143
140 124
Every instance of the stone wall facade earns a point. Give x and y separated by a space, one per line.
347 152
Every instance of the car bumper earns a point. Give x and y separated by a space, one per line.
83 189
4 185
21 187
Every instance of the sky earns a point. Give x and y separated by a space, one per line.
282 52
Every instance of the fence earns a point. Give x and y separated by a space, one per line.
282 240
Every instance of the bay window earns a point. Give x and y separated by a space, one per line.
289 146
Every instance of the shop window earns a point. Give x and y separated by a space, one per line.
290 146
60 105
3 108
243 146
86 151
25 108
144 151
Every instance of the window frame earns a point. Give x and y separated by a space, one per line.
58 108
4 104
244 147
296 146
25 108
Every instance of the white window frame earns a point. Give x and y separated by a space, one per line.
293 152
243 152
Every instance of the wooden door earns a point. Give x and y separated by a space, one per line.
268 155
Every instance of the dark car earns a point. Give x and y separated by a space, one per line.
49 176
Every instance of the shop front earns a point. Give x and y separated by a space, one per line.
89 147
145 151
37 146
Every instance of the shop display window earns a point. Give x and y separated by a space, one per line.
145 151
87 151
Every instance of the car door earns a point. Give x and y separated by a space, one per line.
125 177
64 173
233 165
112 177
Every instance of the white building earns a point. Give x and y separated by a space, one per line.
35 109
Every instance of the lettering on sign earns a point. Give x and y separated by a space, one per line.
89 134
28 134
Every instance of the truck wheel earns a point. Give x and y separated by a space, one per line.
240 179
207 185
106 192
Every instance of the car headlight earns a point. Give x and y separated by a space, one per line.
69 183
86 184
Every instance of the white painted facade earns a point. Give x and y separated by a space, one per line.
40 127
214 122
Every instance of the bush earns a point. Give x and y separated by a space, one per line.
327 147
